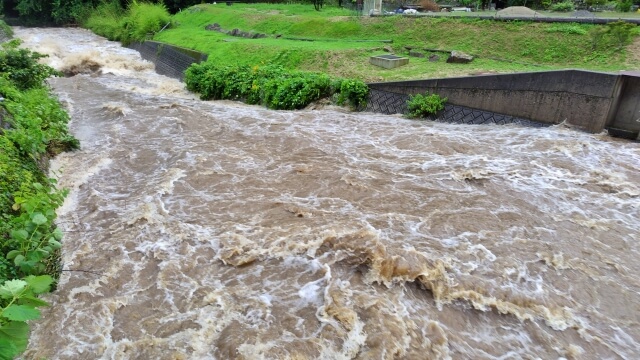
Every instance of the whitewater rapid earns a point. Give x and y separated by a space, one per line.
217 230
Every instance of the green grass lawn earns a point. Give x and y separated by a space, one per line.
339 50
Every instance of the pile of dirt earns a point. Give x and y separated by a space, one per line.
517 11
583 14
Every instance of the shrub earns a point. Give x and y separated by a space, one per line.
423 106
34 238
620 33
21 66
355 92
271 86
299 90
565 6
39 124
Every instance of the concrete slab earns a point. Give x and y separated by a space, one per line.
388 61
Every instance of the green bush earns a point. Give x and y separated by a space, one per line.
34 238
21 66
354 92
598 36
620 33
565 6
423 106
299 90
614 36
39 124
271 86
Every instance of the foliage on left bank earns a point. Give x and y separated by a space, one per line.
33 128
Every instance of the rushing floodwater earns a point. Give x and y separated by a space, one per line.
218 230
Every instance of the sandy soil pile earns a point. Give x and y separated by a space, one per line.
517 11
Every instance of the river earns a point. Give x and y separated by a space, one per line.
217 230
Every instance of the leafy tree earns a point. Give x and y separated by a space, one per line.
176 5
47 11
595 2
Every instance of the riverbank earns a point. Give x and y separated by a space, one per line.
340 44
33 128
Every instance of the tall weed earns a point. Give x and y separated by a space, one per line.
145 19
136 23
107 20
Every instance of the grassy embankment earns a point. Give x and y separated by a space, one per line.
521 46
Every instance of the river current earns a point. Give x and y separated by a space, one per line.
217 230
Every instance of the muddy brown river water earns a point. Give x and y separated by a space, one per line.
217 230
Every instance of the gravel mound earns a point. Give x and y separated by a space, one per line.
583 14
516 11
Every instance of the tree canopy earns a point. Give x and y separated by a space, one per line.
62 12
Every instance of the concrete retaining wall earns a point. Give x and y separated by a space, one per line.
627 115
590 100
170 60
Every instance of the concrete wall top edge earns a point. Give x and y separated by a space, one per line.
583 82
190 52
